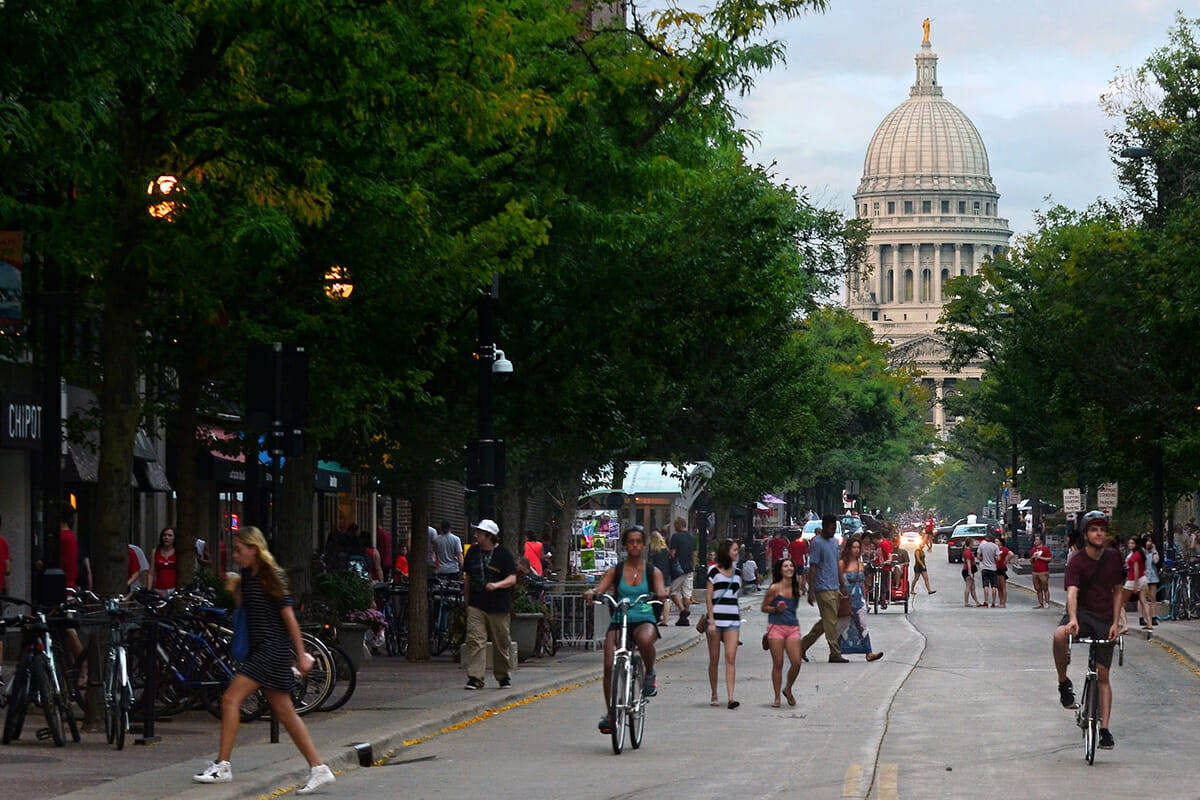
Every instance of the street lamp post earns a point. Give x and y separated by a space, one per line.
486 453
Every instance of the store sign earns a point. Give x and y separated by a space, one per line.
21 426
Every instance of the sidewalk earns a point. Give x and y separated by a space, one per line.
396 703
1181 637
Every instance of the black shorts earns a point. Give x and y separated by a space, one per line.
989 578
1002 573
633 629
918 569
1093 627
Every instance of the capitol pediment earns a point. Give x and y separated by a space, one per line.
922 351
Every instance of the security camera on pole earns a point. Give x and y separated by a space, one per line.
485 453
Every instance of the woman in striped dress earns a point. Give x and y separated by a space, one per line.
274 641
724 618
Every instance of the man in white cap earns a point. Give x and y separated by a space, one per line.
489 573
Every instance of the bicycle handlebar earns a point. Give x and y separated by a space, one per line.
1073 640
607 599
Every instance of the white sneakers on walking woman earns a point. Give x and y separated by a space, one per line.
222 772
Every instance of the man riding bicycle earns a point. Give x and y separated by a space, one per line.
631 578
1095 594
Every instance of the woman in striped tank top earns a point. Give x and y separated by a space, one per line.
724 618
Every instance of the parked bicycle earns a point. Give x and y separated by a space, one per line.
118 691
37 679
549 631
1087 713
627 702
445 607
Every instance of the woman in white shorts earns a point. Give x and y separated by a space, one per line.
1135 579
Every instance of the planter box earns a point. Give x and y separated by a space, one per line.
523 630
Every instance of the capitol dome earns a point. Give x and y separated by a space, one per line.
926 142
934 215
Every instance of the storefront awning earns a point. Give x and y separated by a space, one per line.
332 477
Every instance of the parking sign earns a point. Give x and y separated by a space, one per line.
1106 497
1072 501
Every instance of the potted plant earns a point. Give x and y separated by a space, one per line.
527 611
349 597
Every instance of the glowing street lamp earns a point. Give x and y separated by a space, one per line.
164 185
337 283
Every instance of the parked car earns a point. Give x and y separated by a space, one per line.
954 547
941 534
813 528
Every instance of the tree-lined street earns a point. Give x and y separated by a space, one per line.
962 704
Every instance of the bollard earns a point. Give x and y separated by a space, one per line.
150 690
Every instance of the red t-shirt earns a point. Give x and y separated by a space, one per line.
401 565
1002 557
1135 563
4 557
1096 580
929 526
777 547
1038 564
68 556
968 557
164 570
533 551
799 553
885 551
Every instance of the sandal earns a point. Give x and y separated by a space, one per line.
605 724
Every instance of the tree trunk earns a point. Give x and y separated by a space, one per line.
120 411
418 575
564 522
187 520
294 542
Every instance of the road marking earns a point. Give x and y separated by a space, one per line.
850 784
889 782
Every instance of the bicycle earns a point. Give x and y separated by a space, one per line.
37 679
1087 713
545 643
627 702
115 684
445 604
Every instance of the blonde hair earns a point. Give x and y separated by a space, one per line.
657 542
274 583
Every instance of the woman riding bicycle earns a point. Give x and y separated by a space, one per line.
628 579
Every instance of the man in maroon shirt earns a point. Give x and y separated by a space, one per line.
1094 581
777 548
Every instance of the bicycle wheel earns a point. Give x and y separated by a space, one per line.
345 679
18 701
637 715
111 699
1091 726
439 624
619 702
312 689
51 700
124 704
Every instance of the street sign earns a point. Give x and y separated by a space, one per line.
1072 501
1106 496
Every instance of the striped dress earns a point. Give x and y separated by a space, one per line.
270 661
725 593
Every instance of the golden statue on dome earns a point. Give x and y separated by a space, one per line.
925 27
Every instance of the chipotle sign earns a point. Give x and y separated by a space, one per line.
21 426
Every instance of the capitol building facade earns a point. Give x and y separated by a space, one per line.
934 211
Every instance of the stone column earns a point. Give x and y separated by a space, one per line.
939 410
937 274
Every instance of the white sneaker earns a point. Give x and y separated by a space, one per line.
215 772
318 776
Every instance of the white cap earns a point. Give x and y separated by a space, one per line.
488 525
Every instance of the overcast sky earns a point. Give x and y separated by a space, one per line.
1028 73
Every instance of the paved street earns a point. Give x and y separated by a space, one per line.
962 702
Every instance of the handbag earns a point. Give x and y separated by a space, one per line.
843 606
765 645
239 648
